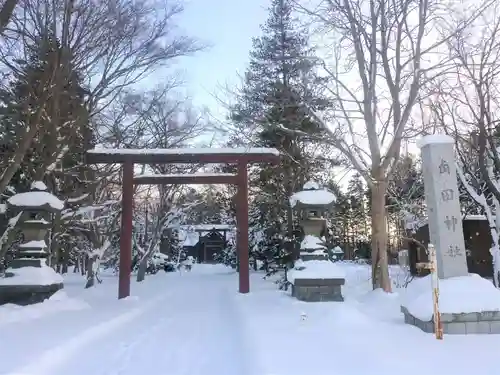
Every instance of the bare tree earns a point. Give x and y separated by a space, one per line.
467 107
384 52
112 45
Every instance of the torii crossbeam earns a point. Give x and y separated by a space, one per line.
129 157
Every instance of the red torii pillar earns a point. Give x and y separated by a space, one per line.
128 157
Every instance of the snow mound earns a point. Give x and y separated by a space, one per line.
463 294
43 275
58 302
315 269
311 243
313 198
36 199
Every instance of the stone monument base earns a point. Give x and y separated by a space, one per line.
318 290
30 281
486 322
467 304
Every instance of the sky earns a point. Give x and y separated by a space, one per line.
228 26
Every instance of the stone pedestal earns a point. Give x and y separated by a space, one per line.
318 290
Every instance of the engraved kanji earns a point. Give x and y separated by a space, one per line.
451 222
444 167
447 195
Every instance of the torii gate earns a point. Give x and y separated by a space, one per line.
129 157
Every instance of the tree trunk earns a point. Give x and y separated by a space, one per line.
6 13
76 268
65 261
380 268
143 266
84 265
90 273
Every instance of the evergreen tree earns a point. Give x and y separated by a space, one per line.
270 109
45 79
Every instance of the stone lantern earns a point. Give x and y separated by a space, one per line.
311 204
29 279
314 277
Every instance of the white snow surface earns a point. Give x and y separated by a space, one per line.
464 294
313 197
337 250
43 275
315 269
38 185
311 185
33 244
191 238
197 324
36 199
183 151
434 139
311 242
198 174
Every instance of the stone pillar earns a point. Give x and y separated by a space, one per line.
443 207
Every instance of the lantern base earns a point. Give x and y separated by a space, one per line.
29 281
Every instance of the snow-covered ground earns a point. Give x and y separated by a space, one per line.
196 323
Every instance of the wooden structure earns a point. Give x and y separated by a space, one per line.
207 247
477 243
128 157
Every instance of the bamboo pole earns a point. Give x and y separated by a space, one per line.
438 326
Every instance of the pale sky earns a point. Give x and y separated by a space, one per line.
228 26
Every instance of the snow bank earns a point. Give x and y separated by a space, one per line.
434 139
36 199
312 243
58 302
312 197
43 275
464 294
315 269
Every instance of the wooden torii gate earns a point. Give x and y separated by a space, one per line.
129 157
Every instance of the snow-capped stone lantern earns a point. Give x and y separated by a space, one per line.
311 204
29 279
315 277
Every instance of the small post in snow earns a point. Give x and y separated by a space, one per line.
438 326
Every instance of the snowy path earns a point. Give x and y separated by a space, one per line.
197 324
191 328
